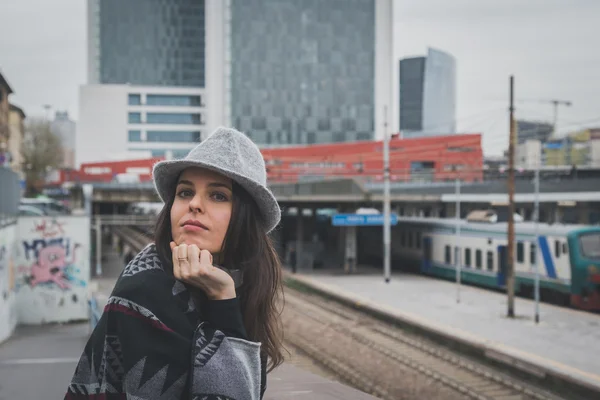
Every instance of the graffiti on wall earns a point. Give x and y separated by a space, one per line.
50 257
52 268
8 315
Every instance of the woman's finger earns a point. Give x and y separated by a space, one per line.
194 259
206 258
184 263
174 251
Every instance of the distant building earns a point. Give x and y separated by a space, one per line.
428 95
16 124
529 154
576 149
118 121
285 72
533 130
65 128
5 92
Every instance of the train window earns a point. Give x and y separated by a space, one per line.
418 239
468 257
490 260
520 252
478 259
556 248
447 255
532 253
564 245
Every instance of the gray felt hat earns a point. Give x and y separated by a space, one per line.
231 153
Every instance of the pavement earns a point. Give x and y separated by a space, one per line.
565 340
37 362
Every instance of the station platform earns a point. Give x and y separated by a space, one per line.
565 342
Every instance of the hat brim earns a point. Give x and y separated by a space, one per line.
165 174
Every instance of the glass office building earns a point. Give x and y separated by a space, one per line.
428 95
303 71
147 42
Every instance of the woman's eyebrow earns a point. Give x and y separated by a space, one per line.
185 182
219 184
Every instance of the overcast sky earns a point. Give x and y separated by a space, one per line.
551 46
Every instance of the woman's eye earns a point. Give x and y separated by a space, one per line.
185 193
219 196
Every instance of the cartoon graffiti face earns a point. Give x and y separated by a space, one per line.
50 266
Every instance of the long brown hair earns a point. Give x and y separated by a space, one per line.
247 247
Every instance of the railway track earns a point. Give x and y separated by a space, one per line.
379 358
388 363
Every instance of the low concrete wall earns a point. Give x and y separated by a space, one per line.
8 314
52 269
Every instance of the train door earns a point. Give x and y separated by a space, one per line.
427 254
502 265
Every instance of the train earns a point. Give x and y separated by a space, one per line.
568 256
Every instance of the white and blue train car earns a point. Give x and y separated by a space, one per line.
433 246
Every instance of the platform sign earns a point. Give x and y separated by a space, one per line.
361 219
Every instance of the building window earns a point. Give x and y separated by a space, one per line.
520 252
478 259
447 255
173 100
468 258
532 253
134 100
135 118
410 239
402 239
490 261
172 118
173 136
556 248
418 239
134 136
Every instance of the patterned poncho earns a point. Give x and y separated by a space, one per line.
152 342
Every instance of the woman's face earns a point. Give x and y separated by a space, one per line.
202 209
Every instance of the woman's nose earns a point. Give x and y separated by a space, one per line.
196 203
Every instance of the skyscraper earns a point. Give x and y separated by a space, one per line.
146 42
428 95
164 73
303 71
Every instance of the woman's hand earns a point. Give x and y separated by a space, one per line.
192 266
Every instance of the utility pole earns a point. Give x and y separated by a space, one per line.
386 199
510 278
457 246
536 211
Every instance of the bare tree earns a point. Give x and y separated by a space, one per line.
42 151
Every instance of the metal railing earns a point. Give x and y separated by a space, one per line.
124 220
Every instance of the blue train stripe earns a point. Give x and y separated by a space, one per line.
548 262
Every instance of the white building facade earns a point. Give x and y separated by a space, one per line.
123 122
529 154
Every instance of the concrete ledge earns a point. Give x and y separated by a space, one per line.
568 381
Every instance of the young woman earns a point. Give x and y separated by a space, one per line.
195 315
